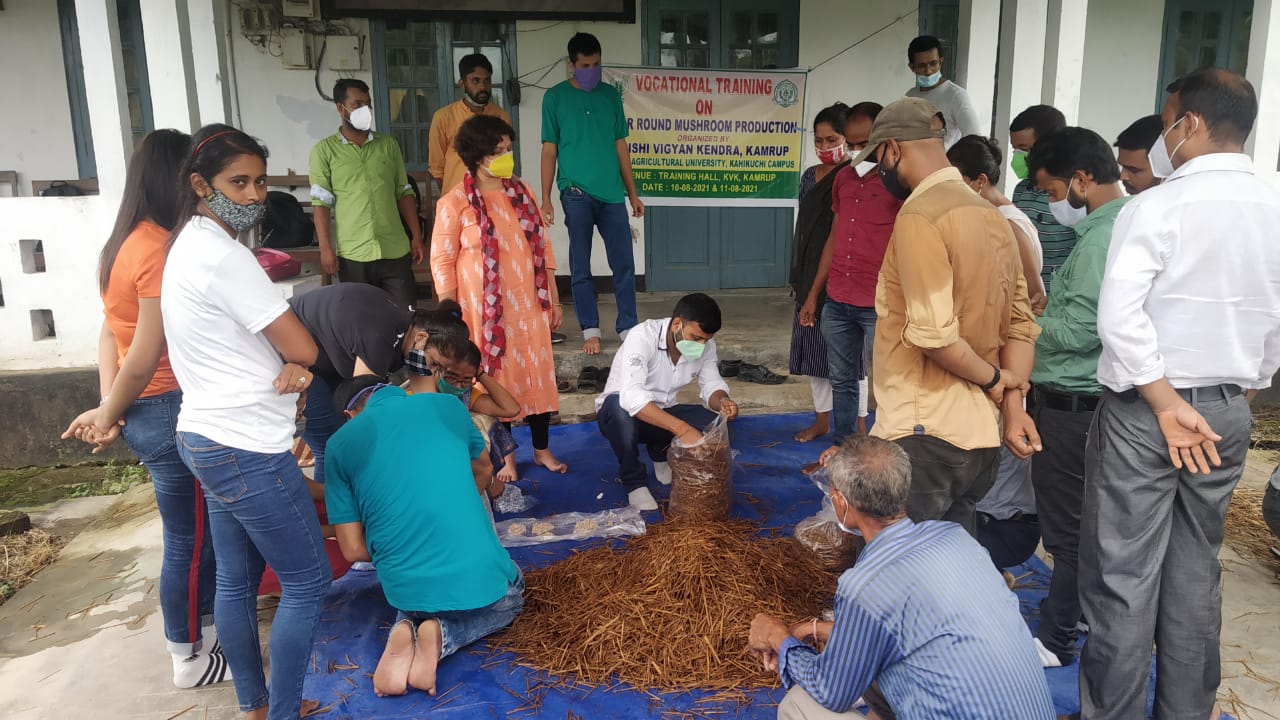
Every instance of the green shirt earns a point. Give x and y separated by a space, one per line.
1056 240
1068 349
585 127
403 469
363 185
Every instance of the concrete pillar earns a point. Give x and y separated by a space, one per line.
105 93
1064 56
979 43
1264 72
210 50
1022 35
167 30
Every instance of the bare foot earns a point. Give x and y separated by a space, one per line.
422 674
258 714
821 426
591 346
549 461
507 474
307 709
392 674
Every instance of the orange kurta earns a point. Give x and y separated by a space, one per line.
457 256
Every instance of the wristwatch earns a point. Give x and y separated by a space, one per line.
994 381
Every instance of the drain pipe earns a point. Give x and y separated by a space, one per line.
233 86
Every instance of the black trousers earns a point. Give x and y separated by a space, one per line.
946 481
394 275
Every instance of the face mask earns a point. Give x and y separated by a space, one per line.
832 156
1066 213
1019 164
503 166
843 528
689 349
889 178
1160 158
361 118
928 81
237 217
587 78
479 100
864 167
447 389
417 362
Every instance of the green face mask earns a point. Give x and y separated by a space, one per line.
690 349
448 389
1019 164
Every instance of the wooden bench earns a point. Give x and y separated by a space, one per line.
86 187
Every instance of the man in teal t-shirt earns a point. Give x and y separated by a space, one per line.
428 533
1074 167
584 131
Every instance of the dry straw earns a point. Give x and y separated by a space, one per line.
1247 532
669 610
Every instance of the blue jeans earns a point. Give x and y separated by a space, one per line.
323 421
261 512
850 333
582 214
460 628
626 433
187 568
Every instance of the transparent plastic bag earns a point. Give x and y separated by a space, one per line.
702 474
513 500
820 535
519 532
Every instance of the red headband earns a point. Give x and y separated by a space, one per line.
204 142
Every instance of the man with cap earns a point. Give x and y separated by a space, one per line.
955 335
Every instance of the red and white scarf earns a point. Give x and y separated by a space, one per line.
493 338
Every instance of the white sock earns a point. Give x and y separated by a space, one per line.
642 499
864 390
206 667
662 471
1047 659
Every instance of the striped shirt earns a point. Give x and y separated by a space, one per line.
1056 241
926 616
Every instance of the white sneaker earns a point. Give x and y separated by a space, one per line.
1047 659
207 667
662 471
642 499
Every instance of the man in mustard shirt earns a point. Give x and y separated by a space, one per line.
359 176
475 77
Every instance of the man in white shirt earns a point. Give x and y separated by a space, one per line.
1189 318
638 405
924 57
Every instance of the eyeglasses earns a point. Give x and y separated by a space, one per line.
458 381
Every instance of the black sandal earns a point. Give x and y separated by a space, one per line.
589 380
760 375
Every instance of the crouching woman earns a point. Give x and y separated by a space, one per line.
438 556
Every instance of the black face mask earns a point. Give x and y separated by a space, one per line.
889 178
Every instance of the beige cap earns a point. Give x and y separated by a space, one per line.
903 120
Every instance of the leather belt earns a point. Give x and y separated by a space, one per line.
1065 402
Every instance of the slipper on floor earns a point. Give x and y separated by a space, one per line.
589 380
564 386
730 368
557 338
760 375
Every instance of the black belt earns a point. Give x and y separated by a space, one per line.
1225 391
1065 402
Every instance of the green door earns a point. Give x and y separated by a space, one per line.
1203 33
714 248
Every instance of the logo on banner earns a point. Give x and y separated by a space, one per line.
785 94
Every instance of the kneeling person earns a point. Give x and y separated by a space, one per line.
419 533
638 405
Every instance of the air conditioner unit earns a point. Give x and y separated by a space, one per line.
299 8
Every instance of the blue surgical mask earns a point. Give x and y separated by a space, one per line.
928 81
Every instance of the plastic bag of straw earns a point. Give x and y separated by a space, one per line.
702 474
518 532
820 534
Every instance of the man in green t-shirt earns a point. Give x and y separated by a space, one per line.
360 177
429 533
584 132
1080 177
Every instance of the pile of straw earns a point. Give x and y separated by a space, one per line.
22 556
1247 532
668 610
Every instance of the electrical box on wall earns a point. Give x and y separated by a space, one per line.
295 49
299 8
342 52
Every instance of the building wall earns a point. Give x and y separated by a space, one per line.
1121 64
37 140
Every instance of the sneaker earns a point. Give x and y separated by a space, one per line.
662 471
202 668
642 499
1047 659
557 338
362 566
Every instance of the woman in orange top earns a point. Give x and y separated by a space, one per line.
489 252
140 400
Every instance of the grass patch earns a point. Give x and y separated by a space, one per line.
30 487
22 556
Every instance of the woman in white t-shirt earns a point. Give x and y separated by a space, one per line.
979 160
241 358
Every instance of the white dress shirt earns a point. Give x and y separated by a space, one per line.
643 373
1192 286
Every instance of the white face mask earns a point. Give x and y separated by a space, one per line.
1160 158
1067 214
361 118
840 523
864 167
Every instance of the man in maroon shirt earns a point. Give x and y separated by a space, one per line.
849 270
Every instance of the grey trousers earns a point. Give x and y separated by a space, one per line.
1149 568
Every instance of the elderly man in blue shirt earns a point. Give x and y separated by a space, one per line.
925 627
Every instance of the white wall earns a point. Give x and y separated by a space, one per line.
37 139
1121 64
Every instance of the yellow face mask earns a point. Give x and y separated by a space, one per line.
503 166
